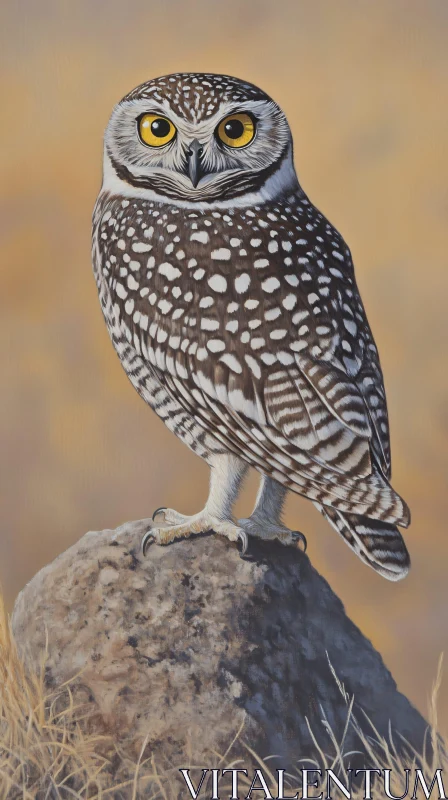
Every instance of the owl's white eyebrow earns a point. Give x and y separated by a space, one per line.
254 106
168 113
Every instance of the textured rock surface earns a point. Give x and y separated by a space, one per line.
184 644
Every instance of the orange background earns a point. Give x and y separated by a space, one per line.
364 85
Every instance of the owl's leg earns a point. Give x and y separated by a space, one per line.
265 522
227 472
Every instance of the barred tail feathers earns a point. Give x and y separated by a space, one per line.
379 544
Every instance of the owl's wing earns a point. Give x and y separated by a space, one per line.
302 398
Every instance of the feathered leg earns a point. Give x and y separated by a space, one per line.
265 522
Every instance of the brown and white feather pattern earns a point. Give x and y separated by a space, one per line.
244 330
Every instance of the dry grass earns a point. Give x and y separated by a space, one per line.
47 751
44 750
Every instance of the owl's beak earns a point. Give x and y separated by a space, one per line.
194 155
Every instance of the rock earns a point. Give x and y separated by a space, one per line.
187 643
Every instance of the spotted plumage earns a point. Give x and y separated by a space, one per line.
233 306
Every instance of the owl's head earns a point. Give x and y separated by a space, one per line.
199 138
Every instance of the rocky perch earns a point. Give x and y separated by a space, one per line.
185 645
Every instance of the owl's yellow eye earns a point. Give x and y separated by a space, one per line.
237 130
155 130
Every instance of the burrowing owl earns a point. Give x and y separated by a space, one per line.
233 306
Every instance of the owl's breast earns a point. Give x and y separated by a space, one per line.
224 281
173 269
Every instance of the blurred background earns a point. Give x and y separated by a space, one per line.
364 86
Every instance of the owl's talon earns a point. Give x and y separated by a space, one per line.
158 511
242 537
147 540
299 537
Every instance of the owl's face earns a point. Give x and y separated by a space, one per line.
199 138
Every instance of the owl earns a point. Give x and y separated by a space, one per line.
233 306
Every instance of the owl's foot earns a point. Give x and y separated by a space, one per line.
261 529
170 525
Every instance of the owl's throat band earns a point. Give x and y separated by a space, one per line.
222 186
